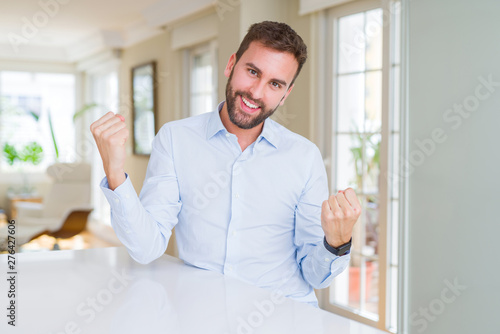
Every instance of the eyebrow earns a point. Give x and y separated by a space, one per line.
281 82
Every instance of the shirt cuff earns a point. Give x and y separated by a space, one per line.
329 265
118 198
328 259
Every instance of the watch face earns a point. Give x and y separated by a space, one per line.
343 251
344 248
340 250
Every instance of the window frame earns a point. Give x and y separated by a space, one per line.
188 60
325 42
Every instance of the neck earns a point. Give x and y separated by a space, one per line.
245 136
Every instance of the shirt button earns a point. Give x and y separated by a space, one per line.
233 233
327 259
117 200
127 196
229 267
228 134
237 196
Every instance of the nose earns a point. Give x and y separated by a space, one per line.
257 89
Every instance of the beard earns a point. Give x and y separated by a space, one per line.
240 118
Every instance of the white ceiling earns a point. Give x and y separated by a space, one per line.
70 30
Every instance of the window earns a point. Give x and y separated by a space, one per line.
103 91
362 136
201 79
37 108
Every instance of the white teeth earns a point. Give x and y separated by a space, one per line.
248 104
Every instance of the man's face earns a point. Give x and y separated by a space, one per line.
258 84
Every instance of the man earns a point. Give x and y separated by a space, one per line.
244 192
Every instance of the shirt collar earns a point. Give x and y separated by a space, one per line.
214 122
269 131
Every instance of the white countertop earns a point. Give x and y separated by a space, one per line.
105 291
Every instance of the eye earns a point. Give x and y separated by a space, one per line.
275 84
252 71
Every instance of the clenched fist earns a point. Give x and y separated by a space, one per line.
338 216
110 134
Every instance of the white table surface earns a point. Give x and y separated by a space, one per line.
105 291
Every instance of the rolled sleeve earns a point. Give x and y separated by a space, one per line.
326 266
318 265
144 224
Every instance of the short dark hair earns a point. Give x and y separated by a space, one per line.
277 36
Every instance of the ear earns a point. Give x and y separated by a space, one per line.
230 65
286 95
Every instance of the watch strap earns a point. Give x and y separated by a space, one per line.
339 251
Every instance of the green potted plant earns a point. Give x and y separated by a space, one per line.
32 153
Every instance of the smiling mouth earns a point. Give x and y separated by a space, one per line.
248 106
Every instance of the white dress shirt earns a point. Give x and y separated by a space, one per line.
254 215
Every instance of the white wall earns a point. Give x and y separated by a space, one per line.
454 193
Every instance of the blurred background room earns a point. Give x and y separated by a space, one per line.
401 97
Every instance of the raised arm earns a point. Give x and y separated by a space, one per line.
314 222
143 225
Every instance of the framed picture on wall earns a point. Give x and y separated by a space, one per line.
144 107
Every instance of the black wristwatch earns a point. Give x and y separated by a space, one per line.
339 251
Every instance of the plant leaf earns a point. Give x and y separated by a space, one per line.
84 109
10 153
35 116
32 152
53 136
